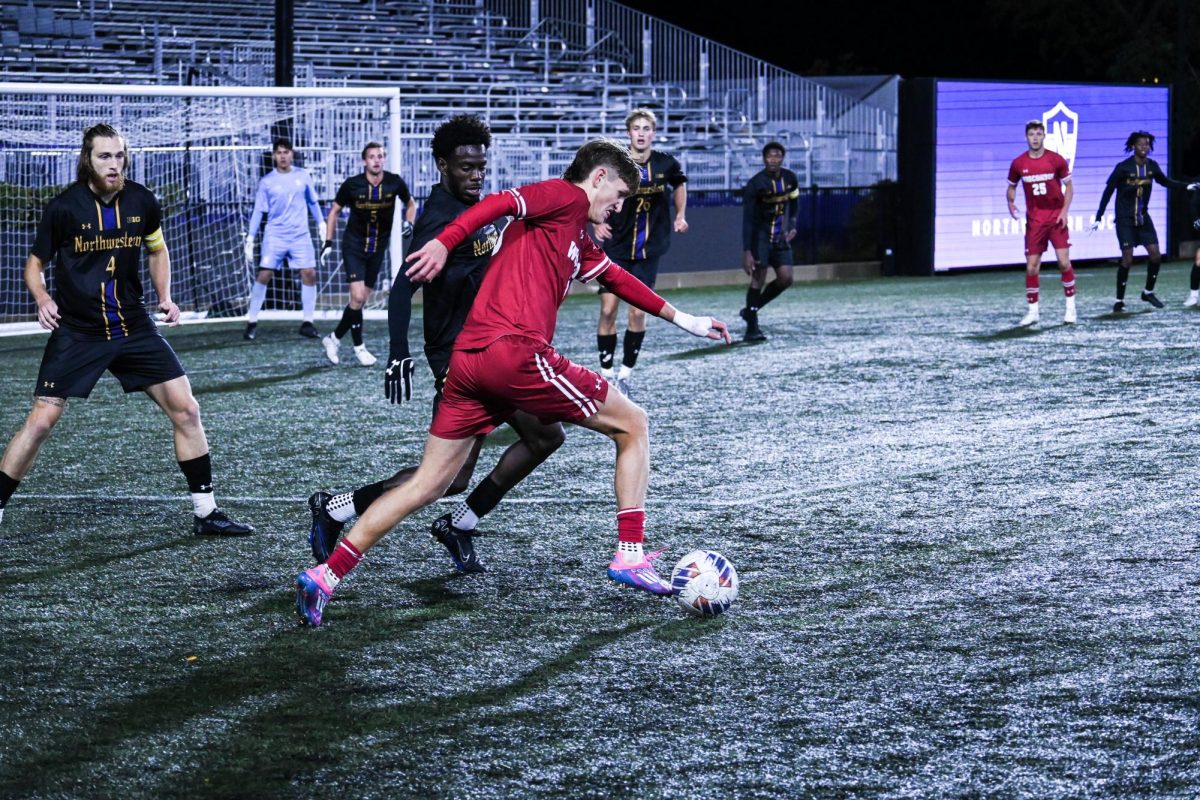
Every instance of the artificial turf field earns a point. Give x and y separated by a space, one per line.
968 557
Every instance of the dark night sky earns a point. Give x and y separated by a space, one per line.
951 40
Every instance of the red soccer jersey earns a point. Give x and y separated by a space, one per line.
1042 178
540 252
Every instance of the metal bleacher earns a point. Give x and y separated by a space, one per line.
545 73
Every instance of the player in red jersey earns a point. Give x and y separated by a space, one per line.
503 360
1047 181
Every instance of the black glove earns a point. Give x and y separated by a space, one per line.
1196 223
397 379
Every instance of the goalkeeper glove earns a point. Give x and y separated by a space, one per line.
326 248
1094 226
405 229
397 379
249 249
1193 186
1196 223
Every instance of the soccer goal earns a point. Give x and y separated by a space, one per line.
202 150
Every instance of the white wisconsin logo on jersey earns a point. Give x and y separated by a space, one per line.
1062 132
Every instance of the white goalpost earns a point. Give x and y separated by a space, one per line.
201 150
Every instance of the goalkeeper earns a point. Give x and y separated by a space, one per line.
284 194
460 148
371 198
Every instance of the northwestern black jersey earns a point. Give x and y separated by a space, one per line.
642 228
449 296
1132 183
97 248
372 209
769 207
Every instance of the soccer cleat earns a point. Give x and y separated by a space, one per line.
218 523
639 575
1069 313
622 386
251 331
312 593
1119 307
1152 300
1193 299
1030 318
363 355
458 542
324 530
308 330
754 334
331 344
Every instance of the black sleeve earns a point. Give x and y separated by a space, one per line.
49 234
403 193
153 214
748 200
674 173
1161 178
793 213
1109 188
344 198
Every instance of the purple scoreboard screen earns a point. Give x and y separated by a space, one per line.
981 129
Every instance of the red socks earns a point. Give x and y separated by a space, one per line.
631 525
1068 280
1031 287
344 558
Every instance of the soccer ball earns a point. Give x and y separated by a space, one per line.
705 583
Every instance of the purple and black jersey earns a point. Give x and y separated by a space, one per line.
1132 182
372 209
97 249
642 228
449 296
769 207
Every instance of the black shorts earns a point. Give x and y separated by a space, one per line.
771 254
360 265
72 364
645 270
1130 236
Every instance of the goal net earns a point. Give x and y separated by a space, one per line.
201 150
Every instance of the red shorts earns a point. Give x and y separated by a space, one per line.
1039 232
514 373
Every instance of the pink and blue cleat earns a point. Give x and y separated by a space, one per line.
313 590
639 574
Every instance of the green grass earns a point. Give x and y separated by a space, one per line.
968 556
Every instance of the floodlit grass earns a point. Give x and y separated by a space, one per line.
968 556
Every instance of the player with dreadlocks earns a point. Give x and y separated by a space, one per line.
1132 180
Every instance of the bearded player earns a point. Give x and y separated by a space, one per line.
94 232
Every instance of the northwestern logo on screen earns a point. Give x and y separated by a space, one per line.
1062 132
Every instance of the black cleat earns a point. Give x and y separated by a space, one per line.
218 523
753 332
309 331
324 531
458 542
251 331
1152 300
1119 307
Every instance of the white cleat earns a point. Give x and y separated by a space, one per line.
1193 299
1030 318
1069 314
331 344
364 357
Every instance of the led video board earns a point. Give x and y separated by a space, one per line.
980 129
